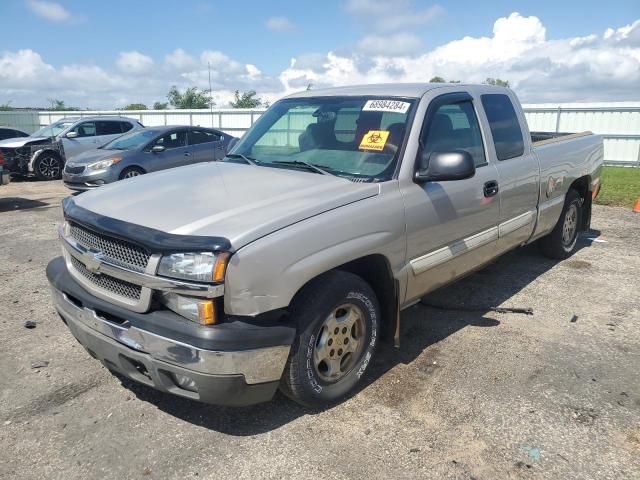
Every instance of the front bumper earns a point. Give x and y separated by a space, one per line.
157 348
88 180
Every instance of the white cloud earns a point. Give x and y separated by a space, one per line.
49 10
134 63
179 60
387 16
279 24
395 44
598 66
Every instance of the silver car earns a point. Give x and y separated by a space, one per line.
44 153
143 151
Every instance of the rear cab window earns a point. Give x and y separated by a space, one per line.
504 125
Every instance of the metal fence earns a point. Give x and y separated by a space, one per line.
618 122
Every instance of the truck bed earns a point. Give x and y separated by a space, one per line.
544 138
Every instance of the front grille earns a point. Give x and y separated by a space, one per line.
110 284
120 252
74 170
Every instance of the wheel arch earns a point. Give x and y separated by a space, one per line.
374 269
582 185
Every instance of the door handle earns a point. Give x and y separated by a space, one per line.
490 188
187 154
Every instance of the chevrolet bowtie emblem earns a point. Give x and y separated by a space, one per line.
91 262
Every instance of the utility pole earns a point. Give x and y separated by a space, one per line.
210 95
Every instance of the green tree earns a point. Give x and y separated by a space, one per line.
246 100
5 107
59 105
135 106
192 97
437 80
160 105
496 81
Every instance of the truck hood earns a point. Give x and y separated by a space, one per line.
21 141
239 202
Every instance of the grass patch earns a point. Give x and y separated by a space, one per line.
620 186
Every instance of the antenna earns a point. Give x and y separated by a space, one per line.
210 94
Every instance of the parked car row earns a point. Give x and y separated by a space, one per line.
91 151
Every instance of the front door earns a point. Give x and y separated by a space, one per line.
451 225
86 140
175 154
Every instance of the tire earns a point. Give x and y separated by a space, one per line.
48 166
131 172
320 371
562 241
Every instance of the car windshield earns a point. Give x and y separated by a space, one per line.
52 130
131 141
354 137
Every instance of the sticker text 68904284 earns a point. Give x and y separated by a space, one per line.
396 106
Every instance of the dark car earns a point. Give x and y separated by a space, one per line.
6 132
143 151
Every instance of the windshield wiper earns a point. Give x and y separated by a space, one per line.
249 160
310 166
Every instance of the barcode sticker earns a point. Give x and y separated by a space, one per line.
395 106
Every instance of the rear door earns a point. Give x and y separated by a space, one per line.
517 165
176 151
86 139
206 145
452 225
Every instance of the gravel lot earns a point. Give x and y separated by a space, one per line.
470 394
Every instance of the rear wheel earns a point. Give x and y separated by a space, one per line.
131 172
562 241
48 166
338 321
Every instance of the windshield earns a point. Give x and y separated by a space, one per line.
346 136
52 130
131 141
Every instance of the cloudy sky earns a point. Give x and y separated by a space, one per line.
109 54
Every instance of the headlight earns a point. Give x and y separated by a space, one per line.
102 164
197 266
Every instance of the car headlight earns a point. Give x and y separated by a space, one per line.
196 266
102 164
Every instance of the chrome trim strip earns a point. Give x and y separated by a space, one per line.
147 279
515 223
257 365
444 254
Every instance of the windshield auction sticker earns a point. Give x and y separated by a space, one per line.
395 106
374 140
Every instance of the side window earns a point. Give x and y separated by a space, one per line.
86 129
125 126
455 127
197 136
108 128
505 129
172 140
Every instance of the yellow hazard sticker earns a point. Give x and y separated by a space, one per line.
374 140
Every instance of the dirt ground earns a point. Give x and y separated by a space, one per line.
469 395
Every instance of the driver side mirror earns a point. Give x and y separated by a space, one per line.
158 149
445 166
71 135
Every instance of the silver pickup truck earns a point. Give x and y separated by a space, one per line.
285 264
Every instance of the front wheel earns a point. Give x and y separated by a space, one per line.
562 241
48 166
338 322
131 172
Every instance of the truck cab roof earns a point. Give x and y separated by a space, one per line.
408 90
